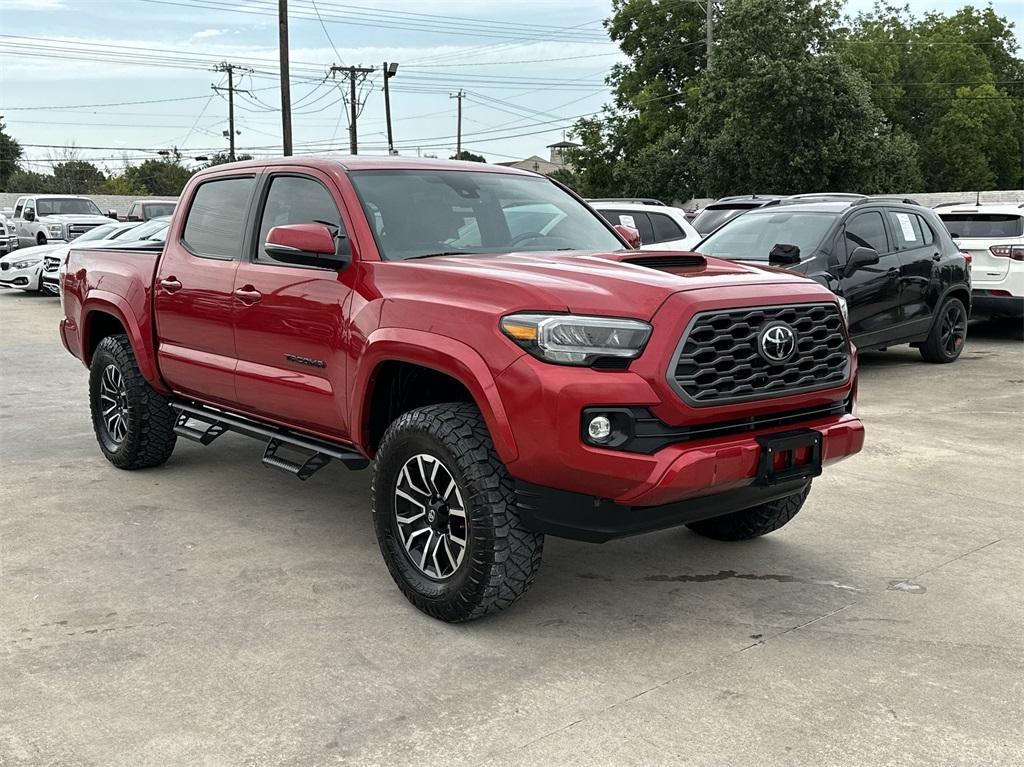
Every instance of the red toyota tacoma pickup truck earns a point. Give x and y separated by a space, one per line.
506 361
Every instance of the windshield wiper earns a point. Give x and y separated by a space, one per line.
442 253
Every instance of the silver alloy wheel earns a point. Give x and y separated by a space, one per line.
431 516
114 404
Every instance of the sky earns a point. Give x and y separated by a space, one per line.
70 70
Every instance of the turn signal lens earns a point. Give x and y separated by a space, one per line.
518 331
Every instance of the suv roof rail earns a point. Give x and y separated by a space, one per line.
904 200
755 196
834 196
630 200
954 204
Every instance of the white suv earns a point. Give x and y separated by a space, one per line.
661 226
993 235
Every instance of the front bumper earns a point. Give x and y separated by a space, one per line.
50 283
23 279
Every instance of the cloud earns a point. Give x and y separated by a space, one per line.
206 34
31 5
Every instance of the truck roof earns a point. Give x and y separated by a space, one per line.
371 162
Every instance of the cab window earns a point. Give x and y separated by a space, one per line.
295 200
215 226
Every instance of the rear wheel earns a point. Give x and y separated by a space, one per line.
446 518
134 423
948 334
752 522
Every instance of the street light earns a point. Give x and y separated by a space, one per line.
390 70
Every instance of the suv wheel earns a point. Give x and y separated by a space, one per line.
948 334
752 522
445 515
134 423
40 239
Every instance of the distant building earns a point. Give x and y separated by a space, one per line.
556 161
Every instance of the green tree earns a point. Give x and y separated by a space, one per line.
468 156
567 177
27 181
164 177
781 112
10 154
122 184
220 158
77 177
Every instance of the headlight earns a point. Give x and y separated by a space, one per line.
845 310
569 339
26 263
55 230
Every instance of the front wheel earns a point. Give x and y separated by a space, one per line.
446 518
134 423
948 334
40 239
753 522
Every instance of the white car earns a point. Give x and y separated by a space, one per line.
661 227
993 235
23 268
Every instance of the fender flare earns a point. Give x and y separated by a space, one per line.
140 334
962 287
440 353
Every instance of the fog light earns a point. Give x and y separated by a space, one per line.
599 428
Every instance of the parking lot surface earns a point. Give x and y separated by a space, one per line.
214 612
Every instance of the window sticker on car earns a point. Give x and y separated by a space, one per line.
627 221
908 229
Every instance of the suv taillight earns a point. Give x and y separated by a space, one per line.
967 257
1013 252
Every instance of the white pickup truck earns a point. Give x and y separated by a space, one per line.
51 218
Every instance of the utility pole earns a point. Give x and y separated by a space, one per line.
352 73
458 133
390 70
709 29
230 70
286 87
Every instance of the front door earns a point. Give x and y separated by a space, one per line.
872 291
290 325
193 291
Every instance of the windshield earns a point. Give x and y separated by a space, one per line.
63 206
97 233
154 209
147 230
418 213
983 225
752 237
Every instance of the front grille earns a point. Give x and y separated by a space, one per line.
51 263
718 360
77 230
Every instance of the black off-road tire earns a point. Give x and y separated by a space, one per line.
752 522
937 347
40 239
502 556
149 439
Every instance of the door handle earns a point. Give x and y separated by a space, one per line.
170 284
248 295
893 272
936 257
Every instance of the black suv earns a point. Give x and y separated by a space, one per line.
903 278
720 211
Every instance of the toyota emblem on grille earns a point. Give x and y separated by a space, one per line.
777 342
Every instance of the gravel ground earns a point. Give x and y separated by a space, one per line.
212 612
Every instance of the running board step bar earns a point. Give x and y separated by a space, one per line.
315 453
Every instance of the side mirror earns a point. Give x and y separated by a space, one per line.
29 215
630 235
308 245
784 255
113 214
859 258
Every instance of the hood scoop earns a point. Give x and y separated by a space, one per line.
668 262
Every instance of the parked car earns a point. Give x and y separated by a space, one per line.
993 235
40 219
902 277
8 236
144 210
504 386
24 269
727 208
124 233
661 227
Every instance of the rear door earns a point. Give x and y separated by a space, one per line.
290 327
872 292
976 232
193 292
920 253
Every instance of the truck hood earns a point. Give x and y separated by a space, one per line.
74 218
622 283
